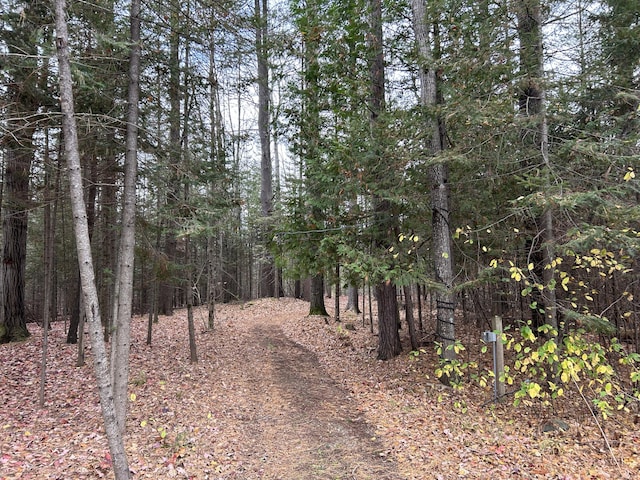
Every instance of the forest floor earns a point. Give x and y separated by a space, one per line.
280 395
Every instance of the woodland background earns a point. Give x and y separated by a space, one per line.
466 158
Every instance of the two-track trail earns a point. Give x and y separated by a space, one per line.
300 423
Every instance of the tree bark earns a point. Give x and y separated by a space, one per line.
267 270
388 338
317 306
408 298
83 245
123 297
352 299
389 344
439 174
19 155
211 282
167 289
14 230
532 104
48 254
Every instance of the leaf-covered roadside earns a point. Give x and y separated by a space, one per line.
207 421
438 432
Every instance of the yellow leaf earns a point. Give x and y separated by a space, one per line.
533 390
143 423
133 397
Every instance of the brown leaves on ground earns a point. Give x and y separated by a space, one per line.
279 395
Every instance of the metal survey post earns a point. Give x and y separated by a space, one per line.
495 338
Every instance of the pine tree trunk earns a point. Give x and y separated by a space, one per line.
21 91
532 104
19 154
317 306
267 274
167 289
388 338
439 173
389 345
352 299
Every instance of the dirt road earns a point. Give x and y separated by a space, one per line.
299 424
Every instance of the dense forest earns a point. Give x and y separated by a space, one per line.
448 160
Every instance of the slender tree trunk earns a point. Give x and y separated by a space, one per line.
123 299
80 360
211 282
107 257
439 174
218 159
532 104
419 298
72 333
193 352
83 245
49 243
410 320
338 291
167 292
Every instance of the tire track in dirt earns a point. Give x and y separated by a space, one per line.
303 426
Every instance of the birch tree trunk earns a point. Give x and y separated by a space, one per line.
85 260
121 340
439 173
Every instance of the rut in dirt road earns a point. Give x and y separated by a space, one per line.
305 426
